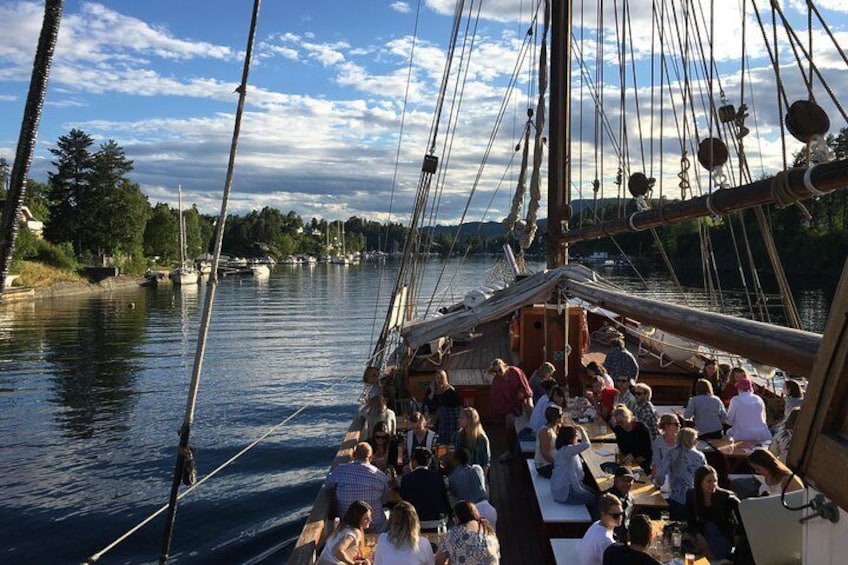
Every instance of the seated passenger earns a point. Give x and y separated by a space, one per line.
713 516
730 390
601 397
473 541
620 362
553 396
783 438
545 452
625 393
632 437
776 476
374 411
360 480
543 374
567 477
594 369
793 397
342 546
747 414
707 410
402 543
666 441
680 467
645 411
418 436
599 536
467 482
636 552
472 437
384 448
622 484
425 489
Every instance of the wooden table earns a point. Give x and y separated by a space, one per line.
370 545
597 430
738 449
656 552
644 493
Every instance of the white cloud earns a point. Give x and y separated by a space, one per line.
7 98
400 7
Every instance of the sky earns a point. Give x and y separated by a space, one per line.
328 85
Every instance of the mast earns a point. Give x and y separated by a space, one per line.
559 132
182 227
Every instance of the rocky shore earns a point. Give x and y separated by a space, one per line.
77 288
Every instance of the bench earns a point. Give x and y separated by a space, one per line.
565 550
528 448
568 520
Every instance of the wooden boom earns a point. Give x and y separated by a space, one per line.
787 348
799 184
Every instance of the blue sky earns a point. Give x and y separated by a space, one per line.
323 111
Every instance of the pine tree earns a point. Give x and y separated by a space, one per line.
69 187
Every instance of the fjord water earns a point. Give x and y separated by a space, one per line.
93 388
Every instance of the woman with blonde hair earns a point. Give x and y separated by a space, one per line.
666 441
680 467
444 402
402 542
632 437
472 437
472 541
343 544
777 477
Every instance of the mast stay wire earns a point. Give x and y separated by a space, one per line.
495 129
397 162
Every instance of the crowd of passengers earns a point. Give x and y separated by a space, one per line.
454 490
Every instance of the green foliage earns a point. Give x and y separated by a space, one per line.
29 247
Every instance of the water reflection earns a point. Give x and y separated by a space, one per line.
94 357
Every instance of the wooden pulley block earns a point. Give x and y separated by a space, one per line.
712 153
639 185
806 119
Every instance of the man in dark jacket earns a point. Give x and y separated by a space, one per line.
425 489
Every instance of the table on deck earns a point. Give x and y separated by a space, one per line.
598 430
733 453
662 554
645 494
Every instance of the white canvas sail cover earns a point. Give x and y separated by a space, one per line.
535 288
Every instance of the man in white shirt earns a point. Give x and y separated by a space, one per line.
747 415
599 536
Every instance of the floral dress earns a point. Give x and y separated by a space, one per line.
465 547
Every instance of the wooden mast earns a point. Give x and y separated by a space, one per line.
796 184
559 132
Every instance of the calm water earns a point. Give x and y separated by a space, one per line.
92 394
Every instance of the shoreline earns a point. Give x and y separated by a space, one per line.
62 289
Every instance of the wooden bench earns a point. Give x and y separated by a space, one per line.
565 550
561 520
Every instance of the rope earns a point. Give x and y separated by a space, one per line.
206 317
96 556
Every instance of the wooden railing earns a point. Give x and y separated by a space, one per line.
315 530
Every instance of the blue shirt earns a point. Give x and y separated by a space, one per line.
680 466
567 475
468 483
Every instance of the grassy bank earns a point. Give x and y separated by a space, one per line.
38 275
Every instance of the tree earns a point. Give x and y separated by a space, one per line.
161 234
69 186
5 171
113 208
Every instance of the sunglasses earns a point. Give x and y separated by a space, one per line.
615 515
639 394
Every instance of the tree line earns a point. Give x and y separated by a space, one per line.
91 208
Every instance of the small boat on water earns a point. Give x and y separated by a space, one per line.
185 273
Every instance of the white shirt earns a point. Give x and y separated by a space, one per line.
388 554
591 549
747 415
537 418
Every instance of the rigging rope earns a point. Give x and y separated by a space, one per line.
206 317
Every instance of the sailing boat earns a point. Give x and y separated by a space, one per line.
185 274
550 311
341 258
